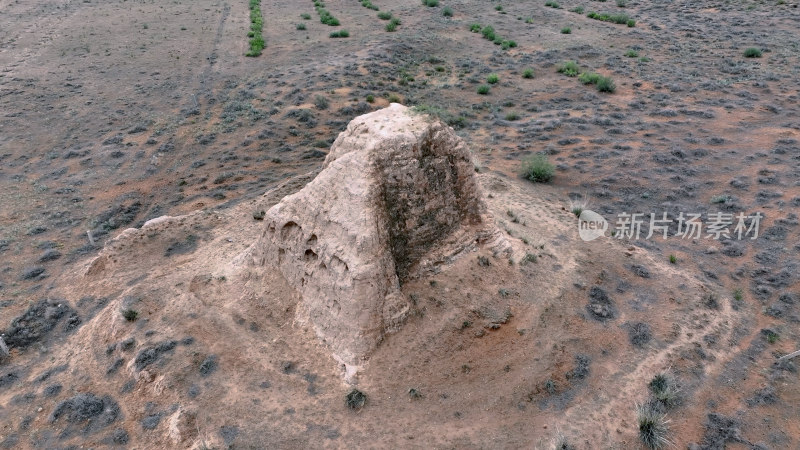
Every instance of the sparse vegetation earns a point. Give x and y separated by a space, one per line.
538 169
384 15
130 314
665 390
527 73
321 102
355 399
256 27
653 426
569 68
368 4
512 116
340 34
566 30
447 11
577 9
455 121
589 77
528 258
301 26
489 33
752 52
622 3
325 16
738 294
430 3
612 18
305 16
631 54
606 84
772 336
552 4
392 25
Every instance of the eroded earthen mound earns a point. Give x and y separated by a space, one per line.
396 196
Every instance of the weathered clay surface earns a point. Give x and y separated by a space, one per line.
396 188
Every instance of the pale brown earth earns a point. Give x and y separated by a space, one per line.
106 123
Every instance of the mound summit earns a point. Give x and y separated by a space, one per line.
396 196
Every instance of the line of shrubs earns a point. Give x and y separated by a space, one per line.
489 33
256 26
613 18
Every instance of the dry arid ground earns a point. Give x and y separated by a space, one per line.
116 112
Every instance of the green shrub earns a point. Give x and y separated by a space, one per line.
256 46
430 3
529 20
527 73
483 89
631 54
392 25
498 8
673 259
613 18
488 32
589 77
394 98
622 3
606 84
475 28
256 26
327 18
305 16
512 116
569 68
301 26
383 15
752 52
577 9
370 98
566 30
538 169
340 34
447 11
507 44
492 78
130 314
552 4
